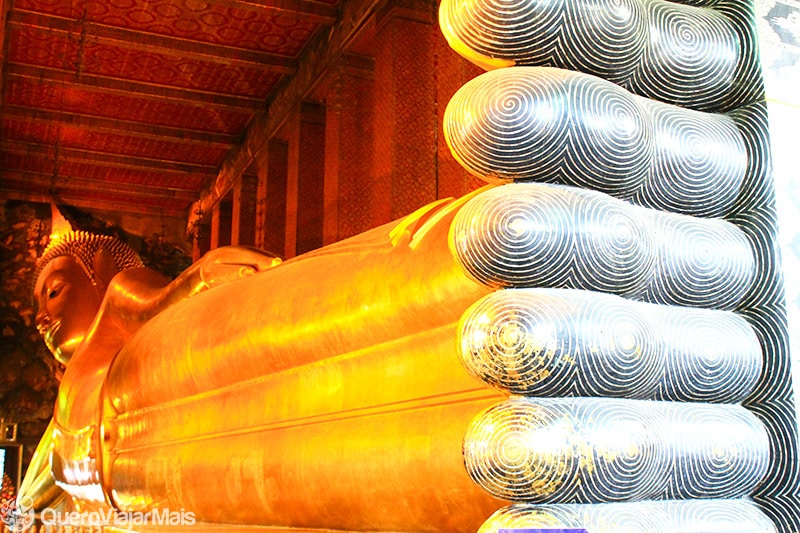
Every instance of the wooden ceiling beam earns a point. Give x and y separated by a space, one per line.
150 42
317 12
38 181
77 200
100 158
64 78
322 51
137 129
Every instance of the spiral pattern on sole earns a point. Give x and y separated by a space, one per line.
492 34
594 450
669 516
694 59
562 342
674 53
550 342
611 136
716 451
565 450
498 455
497 124
699 262
700 163
548 125
704 165
710 356
538 235
621 25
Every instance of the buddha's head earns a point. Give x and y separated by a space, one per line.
71 279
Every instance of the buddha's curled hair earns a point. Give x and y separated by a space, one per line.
82 246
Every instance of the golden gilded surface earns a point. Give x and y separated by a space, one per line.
330 391
322 392
327 393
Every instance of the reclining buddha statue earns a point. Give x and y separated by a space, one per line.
564 347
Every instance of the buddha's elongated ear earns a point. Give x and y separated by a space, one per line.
104 268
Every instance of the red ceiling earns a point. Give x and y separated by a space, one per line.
135 104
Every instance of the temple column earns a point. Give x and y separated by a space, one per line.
271 192
406 112
353 197
221 218
243 219
261 205
201 241
305 185
333 164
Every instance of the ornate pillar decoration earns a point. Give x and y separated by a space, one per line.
243 216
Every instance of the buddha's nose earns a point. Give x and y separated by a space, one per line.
42 321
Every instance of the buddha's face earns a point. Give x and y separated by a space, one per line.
67 302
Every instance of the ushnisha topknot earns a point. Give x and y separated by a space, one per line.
82 246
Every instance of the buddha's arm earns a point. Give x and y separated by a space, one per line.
38 489
137 295
133 297
218 266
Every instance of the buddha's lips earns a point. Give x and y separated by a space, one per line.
50 332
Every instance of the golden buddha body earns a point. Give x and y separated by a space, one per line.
315 390
92 294
249 395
